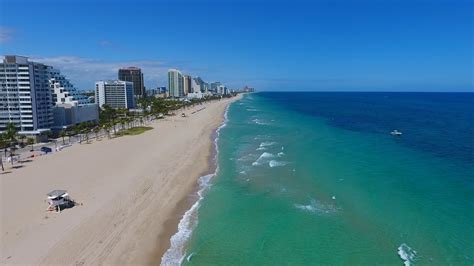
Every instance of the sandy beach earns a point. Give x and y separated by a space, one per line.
133 190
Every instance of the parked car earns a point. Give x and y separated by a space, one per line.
46 149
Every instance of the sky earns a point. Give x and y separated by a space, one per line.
351 45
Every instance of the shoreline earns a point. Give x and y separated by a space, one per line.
176 253
134 194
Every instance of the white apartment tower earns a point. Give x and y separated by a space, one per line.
115 93
175 83
25 95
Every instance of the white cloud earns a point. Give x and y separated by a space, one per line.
6 34
84 72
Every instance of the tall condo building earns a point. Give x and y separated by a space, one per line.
134 75
195 86
115 93
175 83
205 87
215 86
25 95
198 84
187 83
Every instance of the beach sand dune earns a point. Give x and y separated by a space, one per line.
133 191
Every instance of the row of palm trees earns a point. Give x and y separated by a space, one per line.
110 120
9 140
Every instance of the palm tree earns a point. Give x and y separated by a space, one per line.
78 131
11 138
3 144
30 141
96 131
108 115
129 121
22 139
62 134
11 133
85 131
107 127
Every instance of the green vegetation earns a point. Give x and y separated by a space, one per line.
133 131
120 122
9 140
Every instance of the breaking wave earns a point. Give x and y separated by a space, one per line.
274 163
263 158
259 122
176 253
407 254
318 207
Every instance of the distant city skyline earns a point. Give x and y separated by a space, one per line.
285 46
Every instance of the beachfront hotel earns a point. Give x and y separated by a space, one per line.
115 93
25 95
70 107
37 98
134 75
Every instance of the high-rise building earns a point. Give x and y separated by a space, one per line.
248 89
215 87
134 75
25 95
195 85
187 83
175 83
70 107
198 84
115 93
222 90
63 91
205 87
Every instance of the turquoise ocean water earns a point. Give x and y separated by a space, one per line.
318 179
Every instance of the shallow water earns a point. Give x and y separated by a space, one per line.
303 181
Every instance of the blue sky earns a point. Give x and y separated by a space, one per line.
369 45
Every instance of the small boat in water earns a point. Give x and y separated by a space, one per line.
396 133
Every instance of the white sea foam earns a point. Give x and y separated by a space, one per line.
274 163
318 207
407 254
263 158
263 146
261 137
252 110
177 253
259 121
247 157
190 256
267 143
281 154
